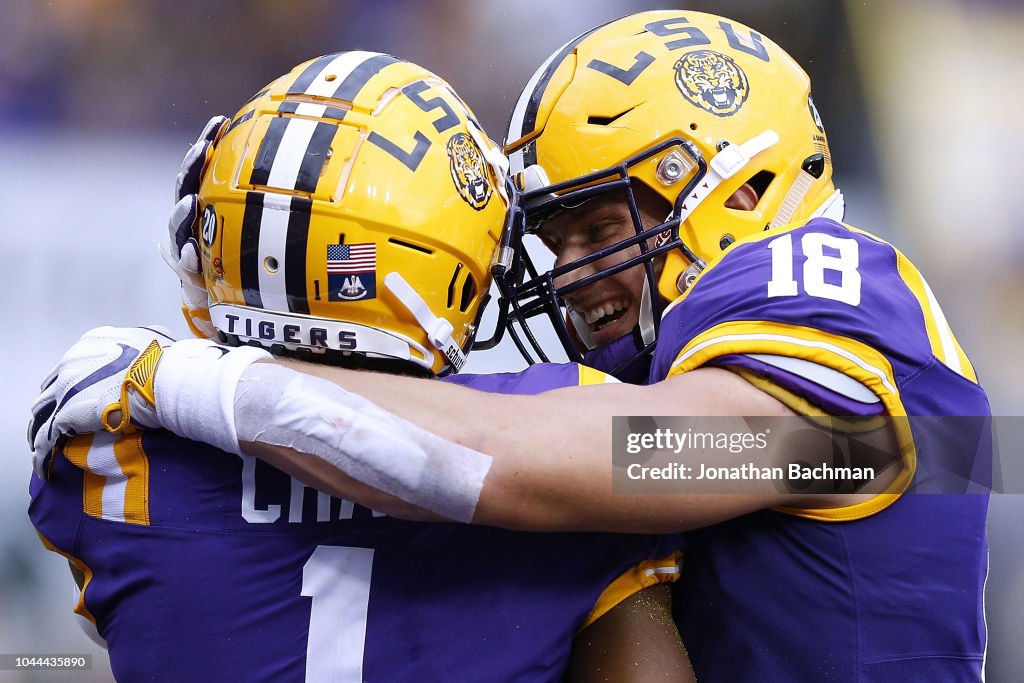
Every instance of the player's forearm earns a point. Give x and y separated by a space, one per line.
323 476
551 455
525 462
356 445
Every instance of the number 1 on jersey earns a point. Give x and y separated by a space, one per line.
816 263
338 580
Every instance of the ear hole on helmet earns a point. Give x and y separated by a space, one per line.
468 293
760 182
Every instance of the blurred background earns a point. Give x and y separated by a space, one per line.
99 99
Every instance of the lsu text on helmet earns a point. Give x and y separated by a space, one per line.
688 105
352 207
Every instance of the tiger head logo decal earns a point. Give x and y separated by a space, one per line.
469 172
712 81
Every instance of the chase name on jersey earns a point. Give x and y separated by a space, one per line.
272 497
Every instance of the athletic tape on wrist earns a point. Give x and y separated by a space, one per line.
280 407
195 387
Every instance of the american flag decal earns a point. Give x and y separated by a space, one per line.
351 271
351 258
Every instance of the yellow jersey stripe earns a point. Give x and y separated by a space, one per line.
943 342
948 344
103 461
589 375
116 476
966 364
797 404
705 340
642 575
135 468
940 336
79 608
77 453
848 356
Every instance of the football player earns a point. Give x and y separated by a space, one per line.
347 214
677 166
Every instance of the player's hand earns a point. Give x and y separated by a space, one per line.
182 250
104 381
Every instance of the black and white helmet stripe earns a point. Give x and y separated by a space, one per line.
273 270
524 115
291 155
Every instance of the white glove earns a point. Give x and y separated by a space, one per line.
108 380
182 250
107 370
195 390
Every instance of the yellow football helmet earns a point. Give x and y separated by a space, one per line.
352 207
690 105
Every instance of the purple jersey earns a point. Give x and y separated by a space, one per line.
875 592
203 565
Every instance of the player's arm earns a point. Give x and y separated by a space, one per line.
550 456
545 462
322 476
635 641
526 462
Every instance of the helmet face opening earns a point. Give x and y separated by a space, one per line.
707 113
551 295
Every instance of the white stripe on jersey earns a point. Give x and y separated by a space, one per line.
844 385
102 461
864 365
952 358
665 569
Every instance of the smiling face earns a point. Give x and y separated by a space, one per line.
610 307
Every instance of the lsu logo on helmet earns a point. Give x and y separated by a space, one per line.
468 171
712 81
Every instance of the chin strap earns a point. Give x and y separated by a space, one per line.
581 328
439 330
646 322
